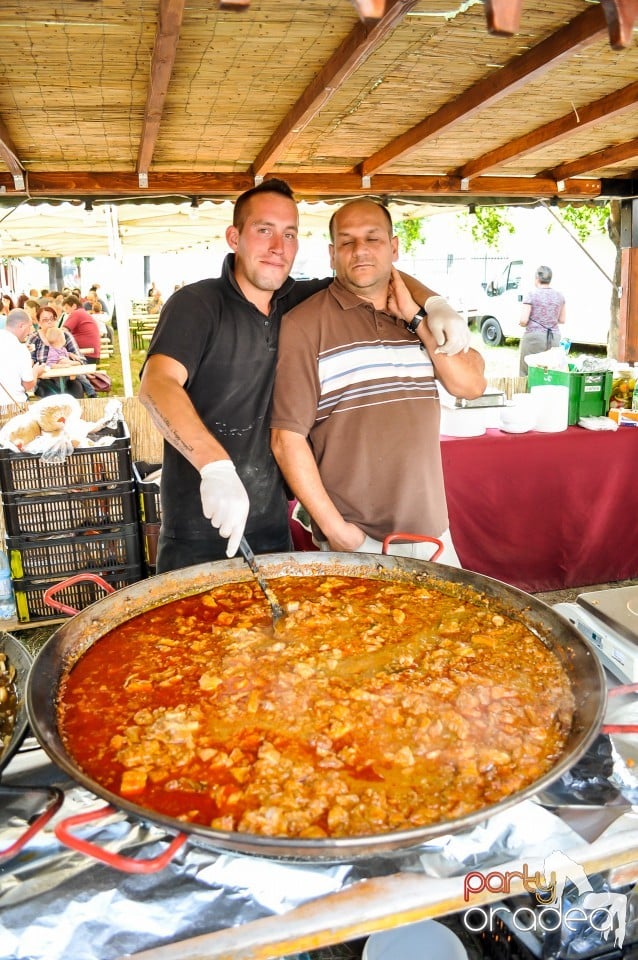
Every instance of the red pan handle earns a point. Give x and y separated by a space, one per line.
413 537
116 860
54 800
78 578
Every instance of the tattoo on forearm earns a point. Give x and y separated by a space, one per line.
164 426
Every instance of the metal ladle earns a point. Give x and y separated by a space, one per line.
249 557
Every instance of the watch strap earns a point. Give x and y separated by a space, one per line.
420 315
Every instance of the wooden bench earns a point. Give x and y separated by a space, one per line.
106 348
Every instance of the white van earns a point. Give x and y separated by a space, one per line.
587 293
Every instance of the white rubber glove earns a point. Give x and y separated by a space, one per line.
448 328
224 501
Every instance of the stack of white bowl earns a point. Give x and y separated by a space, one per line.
520 414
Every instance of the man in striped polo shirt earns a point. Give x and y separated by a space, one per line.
355 420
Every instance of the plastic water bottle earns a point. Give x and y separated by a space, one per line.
7 601
566 344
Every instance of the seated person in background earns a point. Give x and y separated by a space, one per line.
95 288
102 320
83 327
156 303
18 373
7 304
77 386
54 337
55 300
32 307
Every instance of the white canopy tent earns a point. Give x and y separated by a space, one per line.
69 229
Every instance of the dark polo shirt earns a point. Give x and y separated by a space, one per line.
229 349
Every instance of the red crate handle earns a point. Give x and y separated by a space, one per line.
78 578
125 864
413 537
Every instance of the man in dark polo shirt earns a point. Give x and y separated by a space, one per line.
207 383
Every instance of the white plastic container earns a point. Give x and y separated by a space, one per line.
519 414
415 941
462 421
553 407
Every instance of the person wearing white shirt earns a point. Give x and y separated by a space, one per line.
18 373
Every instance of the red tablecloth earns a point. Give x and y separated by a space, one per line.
544 511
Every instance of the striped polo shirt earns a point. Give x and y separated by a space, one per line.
361 387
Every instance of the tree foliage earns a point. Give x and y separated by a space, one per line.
586 221
487 224
409 233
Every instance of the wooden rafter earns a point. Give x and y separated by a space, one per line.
306 186
621 16
355 49
370 9
171 13
503 16
608 106
582 30
596 161
9 154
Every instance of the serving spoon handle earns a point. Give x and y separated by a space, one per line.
249 557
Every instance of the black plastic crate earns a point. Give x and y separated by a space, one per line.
107 552
85 467
148 492
72 511
29 594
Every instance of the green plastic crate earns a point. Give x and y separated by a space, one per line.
589 392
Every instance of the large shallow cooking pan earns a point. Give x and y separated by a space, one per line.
68 643
19 658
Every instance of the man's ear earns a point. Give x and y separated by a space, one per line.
395 249
331 251
232 237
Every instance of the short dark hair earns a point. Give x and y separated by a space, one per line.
267 186
377 203
71 298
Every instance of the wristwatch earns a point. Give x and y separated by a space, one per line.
421 314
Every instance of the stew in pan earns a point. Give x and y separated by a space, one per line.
372 706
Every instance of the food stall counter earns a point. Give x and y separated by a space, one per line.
544 511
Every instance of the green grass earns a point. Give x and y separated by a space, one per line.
113 366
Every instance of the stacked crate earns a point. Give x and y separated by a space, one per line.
66 518
148 492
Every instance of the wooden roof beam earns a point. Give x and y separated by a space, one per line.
621 16
171 13
355 49
370 9
582 30
504 17
9 154
108 184
596 161
601 109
